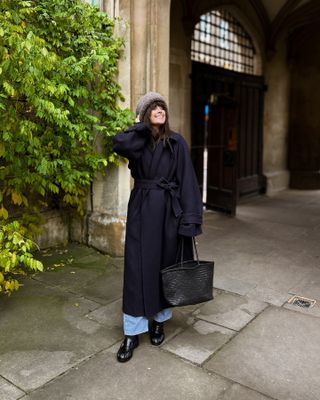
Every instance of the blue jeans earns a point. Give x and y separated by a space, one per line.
136 325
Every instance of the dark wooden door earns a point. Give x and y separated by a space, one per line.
227 116
222 154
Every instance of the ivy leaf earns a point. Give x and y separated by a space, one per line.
4 213
16 198
2 150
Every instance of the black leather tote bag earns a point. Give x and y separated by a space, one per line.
188 282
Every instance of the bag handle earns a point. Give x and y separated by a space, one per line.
181 245
196 249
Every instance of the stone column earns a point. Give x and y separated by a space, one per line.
150 24
180 72
104 225
276 121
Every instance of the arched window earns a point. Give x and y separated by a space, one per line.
220 40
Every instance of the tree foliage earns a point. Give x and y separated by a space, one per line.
58 62
16 258
58 95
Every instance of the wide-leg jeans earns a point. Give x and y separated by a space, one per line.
136 325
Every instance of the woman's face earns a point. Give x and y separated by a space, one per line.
158 116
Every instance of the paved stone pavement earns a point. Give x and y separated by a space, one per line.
60 332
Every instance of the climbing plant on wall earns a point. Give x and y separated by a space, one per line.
58 94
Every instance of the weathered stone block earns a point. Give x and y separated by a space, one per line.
277 181
78 229
55 230
107 233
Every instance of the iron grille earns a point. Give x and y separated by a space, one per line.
303 302
220 40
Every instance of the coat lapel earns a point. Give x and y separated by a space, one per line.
155 160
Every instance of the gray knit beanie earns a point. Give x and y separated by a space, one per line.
146 100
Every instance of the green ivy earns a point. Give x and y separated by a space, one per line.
58 95
58 99
16 258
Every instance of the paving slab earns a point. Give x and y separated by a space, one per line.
151 374
269 295
70 277
238 392
286 208
271 272
243 272
68 258
237 235
65 254
95 276
105 288
270 269
230 310
199 341
225 282
309 286
45 331
9 391
276 355
110 314
179 322
306 256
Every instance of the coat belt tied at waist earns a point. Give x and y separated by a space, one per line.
162 183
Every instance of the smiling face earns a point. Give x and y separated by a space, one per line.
157 116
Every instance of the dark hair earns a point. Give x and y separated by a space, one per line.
164 130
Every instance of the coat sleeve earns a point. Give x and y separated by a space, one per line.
131 142
190 197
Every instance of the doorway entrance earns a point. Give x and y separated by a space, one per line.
226 138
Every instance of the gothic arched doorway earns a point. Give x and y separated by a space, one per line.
227 111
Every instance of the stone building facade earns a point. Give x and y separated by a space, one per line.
158 34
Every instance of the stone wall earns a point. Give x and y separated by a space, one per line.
55 230
180 70
304 133
276 120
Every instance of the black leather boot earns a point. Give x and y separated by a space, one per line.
156 333
126 348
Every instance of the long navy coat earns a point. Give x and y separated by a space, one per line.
164 204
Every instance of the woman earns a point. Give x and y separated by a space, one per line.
165 205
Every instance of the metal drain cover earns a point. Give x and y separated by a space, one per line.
303 302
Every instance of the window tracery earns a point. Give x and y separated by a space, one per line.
220 40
